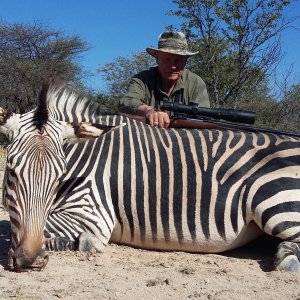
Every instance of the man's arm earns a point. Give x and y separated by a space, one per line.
133 102
134 97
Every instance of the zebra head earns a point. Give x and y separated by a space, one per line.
35 163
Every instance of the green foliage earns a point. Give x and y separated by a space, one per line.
106 104
238 43
117 74
283 114
239 46
31 53
287 115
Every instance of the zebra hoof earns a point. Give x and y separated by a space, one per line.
87 242
288 256
290 264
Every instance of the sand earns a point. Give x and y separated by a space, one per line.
125 273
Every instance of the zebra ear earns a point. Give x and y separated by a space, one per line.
83 131
9 122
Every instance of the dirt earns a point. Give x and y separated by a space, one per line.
125 273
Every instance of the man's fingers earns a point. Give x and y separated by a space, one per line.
159 119
151 119
166 121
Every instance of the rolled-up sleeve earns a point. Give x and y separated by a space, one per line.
134 97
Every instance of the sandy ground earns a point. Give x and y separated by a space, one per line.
125 273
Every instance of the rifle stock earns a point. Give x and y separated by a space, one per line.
196 124
203 123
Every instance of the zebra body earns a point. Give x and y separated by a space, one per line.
166 189
136 176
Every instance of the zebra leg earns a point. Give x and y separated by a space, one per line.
85 242
58 243
288 257
76 220
65 231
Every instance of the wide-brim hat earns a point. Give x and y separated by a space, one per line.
171 42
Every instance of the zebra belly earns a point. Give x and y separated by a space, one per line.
214 244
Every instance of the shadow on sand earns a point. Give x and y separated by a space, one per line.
4 241
262 250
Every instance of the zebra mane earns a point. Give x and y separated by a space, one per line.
64 103
41 113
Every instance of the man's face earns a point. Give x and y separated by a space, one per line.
170 66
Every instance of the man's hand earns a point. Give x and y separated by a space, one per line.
158 119
154 117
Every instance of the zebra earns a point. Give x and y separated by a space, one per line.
76 179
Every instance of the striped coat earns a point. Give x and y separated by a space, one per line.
192 190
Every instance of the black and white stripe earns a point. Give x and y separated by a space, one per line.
183 189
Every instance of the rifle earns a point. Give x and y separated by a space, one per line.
194 117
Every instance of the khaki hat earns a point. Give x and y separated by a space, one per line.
172 42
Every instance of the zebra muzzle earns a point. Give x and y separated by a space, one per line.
22 263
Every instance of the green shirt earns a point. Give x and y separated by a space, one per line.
146 88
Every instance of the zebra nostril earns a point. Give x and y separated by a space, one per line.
23 263
14 266
20 260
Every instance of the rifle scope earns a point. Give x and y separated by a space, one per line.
232 115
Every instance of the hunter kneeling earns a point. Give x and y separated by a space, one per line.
168 81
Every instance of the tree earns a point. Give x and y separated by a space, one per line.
105 104
287 114
117 74
30 53
283 114
238 43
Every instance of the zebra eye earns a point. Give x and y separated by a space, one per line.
10 171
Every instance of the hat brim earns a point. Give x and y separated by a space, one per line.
153 52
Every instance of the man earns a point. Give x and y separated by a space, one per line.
169 81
